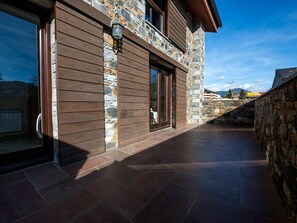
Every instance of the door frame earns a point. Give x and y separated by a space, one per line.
20 159
160 125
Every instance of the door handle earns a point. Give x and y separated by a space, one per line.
38 126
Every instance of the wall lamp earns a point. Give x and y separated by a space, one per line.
117 35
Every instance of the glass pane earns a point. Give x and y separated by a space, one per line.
156 19
164 86
19 84
154 96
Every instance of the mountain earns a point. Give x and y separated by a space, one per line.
234 90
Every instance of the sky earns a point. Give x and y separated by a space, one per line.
18 49
257 37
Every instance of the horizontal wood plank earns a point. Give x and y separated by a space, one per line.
82 77
66 118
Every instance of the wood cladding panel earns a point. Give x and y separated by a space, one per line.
79 85
177 26
181 98
133 93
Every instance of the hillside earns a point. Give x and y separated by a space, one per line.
234 90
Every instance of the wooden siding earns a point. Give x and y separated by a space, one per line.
177 26
133 93
79 85
181 97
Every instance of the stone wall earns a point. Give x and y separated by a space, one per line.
110 93
54 92
276 130
228 112
195 77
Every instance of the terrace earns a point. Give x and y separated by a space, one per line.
207 173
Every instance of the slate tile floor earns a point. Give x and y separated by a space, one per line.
201 174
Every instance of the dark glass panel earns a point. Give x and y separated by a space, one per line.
19 84
154 116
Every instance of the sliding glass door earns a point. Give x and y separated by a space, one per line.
160 97
22 92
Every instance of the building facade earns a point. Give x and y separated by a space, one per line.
70 90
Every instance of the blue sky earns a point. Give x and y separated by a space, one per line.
18 44
257 37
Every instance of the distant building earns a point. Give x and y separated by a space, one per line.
253 95
210 95
282 75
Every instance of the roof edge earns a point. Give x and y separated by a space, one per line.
215 13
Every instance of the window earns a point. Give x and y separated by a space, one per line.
155 13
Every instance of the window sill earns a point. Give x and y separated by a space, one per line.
158 31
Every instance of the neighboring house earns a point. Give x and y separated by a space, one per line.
210 95
253 95
94 92
281 75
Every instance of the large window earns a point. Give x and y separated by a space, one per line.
156 14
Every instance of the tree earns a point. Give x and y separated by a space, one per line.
242 94
229 95
1 77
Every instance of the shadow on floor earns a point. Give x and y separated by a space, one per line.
207 174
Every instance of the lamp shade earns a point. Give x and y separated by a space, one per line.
117 30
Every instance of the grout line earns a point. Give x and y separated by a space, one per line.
28 178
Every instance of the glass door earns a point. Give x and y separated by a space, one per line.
20 104
160 85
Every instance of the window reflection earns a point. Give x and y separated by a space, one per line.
19 84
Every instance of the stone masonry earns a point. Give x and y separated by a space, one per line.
228 112
110 93
276 130
131 14
195 77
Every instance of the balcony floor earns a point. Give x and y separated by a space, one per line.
196 174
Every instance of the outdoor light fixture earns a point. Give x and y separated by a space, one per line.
117 35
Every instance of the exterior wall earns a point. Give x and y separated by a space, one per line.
132 15
276 130
234 112
103 96
133 91
79 85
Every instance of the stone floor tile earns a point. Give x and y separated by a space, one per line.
172 205
208 210
257 173
67 210
66 188
205 185
18 200
123 172
261 198
12 178
154 181
204 156
229 157
253 155
102 213
45 175
88 165
122 197
116 155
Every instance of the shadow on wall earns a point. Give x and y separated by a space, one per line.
229 112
